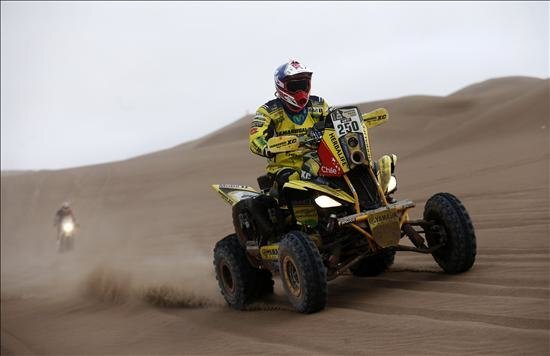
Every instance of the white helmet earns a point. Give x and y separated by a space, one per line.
65 205
293 83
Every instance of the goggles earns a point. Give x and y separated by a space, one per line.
296 85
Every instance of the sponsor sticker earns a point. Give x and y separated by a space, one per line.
337 148
295 64
283 143
239 195
305 175
234 186
329 170
377 118
256 123
347 219
381 218
270 252
292 132
329 164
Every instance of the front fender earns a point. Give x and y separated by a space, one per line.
304 185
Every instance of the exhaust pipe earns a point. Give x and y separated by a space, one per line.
358 157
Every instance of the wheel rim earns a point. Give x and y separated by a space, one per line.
438 235
227 277
292 277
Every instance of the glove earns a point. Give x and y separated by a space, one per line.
268 153
315 133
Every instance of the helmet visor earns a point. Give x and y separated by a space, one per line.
296 85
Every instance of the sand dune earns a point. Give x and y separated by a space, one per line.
141 279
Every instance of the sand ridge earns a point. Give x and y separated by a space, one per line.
141 281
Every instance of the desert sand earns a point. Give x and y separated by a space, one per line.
141 280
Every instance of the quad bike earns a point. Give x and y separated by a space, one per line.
311 231
65 235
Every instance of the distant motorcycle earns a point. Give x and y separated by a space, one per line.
65 238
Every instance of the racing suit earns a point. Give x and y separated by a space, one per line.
273 119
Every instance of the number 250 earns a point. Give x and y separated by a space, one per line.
348 127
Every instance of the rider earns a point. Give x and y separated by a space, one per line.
64 212
292 112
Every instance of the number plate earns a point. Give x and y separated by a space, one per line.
346 120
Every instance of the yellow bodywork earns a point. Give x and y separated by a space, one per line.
372 119
232 194
307 185
375 117
329 136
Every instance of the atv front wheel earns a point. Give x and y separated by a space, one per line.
454 230
236 277
302 272
372 266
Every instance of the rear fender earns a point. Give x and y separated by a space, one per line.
232 193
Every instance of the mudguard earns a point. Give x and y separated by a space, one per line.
232 193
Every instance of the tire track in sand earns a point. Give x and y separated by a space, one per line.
445 315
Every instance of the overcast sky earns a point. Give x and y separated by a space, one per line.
91 82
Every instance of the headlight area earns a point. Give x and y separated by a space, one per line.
392 185
68 227
324 201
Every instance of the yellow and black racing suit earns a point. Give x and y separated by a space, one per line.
272 119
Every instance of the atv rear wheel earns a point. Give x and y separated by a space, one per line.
454 230
373 265
236 276
264 282
302 272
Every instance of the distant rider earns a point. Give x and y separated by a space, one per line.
292 112
64 212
